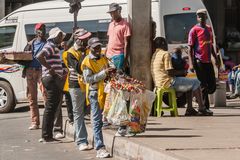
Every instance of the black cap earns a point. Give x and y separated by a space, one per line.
113 7
93 42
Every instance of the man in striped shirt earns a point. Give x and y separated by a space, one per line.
52 72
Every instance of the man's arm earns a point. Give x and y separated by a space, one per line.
126 47
41 58
190 58
74 63
217 60
90 77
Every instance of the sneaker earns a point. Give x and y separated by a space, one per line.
106 125
205 112
209 111
191 112
232 96
102 153
33 127
70 121
83 147
59 136
122 131
48 140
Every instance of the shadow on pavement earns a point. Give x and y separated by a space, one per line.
152 123
166 129
21 109
166 136
227 115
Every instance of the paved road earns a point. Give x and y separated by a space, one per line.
18 143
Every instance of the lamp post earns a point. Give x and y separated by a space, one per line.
75 6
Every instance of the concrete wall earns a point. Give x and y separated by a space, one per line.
216 9
2 8
140 57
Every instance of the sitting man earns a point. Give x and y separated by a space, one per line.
165 76
178 63
234 82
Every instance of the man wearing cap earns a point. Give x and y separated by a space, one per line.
52 71
200 41
119 34
73 59
95 70
33 72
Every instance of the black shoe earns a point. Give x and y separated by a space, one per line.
205 112
191 112
232 96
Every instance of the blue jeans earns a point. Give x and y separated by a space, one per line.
183 84
78 101
118 60
96 113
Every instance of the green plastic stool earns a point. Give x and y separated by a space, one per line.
158 109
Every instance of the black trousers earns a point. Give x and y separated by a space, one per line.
206 75
54 95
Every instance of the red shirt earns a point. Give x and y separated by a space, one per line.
201 40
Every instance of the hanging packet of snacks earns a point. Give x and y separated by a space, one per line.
126 83
118 114
140 108
135 112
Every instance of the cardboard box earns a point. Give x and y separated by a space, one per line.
18 56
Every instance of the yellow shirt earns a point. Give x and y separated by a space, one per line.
77 55
96 67
161 62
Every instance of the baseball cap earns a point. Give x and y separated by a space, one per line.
53 33
113 7
93 42
38 26
82 34
201 11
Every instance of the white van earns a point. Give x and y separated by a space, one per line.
174 18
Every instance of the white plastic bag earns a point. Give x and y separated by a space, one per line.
118 114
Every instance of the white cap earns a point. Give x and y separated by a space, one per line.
53 33
204 11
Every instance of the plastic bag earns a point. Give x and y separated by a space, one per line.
118 114
140 108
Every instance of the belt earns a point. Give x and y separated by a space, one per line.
35 69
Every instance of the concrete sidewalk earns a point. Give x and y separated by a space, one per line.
181 138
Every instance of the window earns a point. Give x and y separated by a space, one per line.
96 27
177 27
7 34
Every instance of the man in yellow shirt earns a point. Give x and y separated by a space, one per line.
164 76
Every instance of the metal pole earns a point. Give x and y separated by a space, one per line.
75 6
75 14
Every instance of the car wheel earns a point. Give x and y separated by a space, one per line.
7 100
